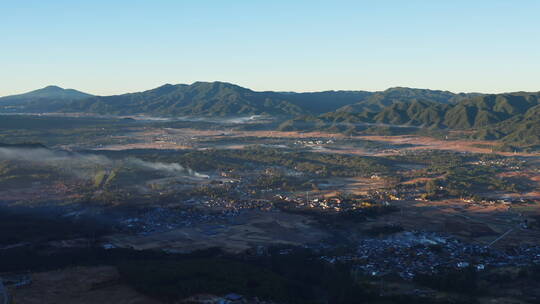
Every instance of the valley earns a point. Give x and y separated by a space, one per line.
407 204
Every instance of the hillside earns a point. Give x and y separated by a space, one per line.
215 99
379 100
519 130
326 101
200 98
513 117
225 99
45 95
475 112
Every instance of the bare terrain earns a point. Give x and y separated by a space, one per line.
85 285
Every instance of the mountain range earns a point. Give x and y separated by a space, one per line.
219 99
473 112
508 116
512 117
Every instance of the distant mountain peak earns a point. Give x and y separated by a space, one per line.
217 84
52 87
50 93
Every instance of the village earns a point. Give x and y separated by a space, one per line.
389 211
408 254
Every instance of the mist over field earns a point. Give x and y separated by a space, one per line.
79 163
172 168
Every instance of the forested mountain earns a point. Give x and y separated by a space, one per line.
522 129
214 99
513 117
475 112
217 99
200 98
47 94
225 99
379 100
326 101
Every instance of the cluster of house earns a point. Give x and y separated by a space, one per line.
492 201
313 142
177 139
232 207
165 219
507 163
330 204
338 204
408 254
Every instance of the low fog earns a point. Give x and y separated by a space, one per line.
173 168
79 163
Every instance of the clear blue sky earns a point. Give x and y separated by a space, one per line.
109 47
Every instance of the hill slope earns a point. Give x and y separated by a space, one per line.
379 100
46 94
200 98
512 117
215 99
223 99
521 129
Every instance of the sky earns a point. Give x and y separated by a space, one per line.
109 47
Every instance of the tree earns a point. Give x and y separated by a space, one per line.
432 186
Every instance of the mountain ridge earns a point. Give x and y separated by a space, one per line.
511 117
223 99
48 93
506 116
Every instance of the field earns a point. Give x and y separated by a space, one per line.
470 222
248 230
397 208
427 143
84 285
